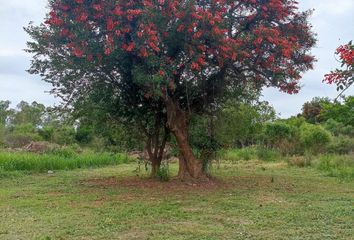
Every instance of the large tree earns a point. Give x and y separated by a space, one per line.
29 114
186 55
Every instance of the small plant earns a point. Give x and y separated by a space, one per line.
163 173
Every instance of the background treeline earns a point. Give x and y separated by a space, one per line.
30 122
322 127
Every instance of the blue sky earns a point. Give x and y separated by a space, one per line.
333 21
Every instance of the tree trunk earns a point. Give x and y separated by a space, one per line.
177 121
155 166
182 171
155 148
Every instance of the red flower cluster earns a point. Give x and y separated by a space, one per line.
346 54
194 37
344 77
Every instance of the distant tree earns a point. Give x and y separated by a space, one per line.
342 112
29 113
5 112
344 77
311 111
240 124
184 55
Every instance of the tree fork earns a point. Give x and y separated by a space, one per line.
154 147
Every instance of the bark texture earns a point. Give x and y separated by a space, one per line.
177 121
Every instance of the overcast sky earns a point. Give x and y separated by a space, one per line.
333 21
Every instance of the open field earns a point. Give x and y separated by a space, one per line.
247 200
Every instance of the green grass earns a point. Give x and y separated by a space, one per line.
63 160
249 153
341 166
249 200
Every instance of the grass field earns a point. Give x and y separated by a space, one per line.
247 200
63 160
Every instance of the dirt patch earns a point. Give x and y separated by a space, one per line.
99 202
177 187
174 185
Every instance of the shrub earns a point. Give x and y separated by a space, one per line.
63 135
249 153
2 136
235 155
46 133
98 144
341 145
314 138
282 137
21 135
338 128
163 173
19 140
267 155
296 121
337 166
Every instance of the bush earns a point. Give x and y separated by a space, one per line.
267 155
163 173
21 135
249 153
314 138
46 133
19 140
2 136
235 155
338 128
337 166
341 145
98 144
65 135
282 137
